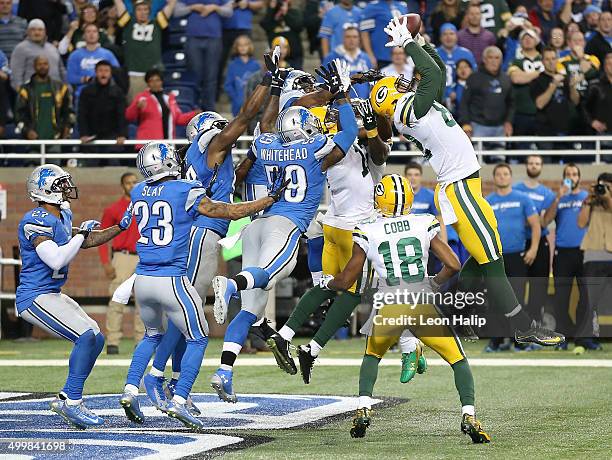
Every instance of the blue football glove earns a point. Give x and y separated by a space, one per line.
86 227
126 220
278 184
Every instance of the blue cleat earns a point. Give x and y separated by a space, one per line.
180 412
131 406
191 407
221 382
78 415
224 290
154 387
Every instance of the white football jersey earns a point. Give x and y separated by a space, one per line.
398 247
351 185
443 143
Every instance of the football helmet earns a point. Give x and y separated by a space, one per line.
51 184
299 80
156 160
328 118
393 196
297 123
386 93
204 121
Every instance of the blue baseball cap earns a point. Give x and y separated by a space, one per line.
447 26
591 9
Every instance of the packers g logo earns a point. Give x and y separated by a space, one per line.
379 189
381 94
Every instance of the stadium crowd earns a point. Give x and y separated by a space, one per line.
117 69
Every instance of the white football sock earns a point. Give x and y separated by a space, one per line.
178 399
225 367
365 401
286 333
408 343
131 389
73 402
315 348
468 410
175 375
156 372
316 276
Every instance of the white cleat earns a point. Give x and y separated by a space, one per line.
219 284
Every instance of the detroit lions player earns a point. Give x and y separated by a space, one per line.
209 154
165 209
48 243
270 243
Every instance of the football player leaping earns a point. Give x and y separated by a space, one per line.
48 243
397 244
420 117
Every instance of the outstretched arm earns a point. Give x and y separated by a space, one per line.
99 237
54 256
431 83
314 99
232 211
347 277
434 55
268 118
345 138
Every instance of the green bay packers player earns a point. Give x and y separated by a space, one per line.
397 244
420 117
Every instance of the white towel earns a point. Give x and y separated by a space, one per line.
124 291
230 241
446 207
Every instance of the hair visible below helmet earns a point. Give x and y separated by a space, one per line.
51 184
393 196
157 160
386 93
297 123
204 121
299 80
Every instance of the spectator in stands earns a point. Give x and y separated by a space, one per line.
101 113
204 45
157 113
43 109
451 53
109 23
495 13
600 43
473 36
446 11
4 101
142 40
463 72
568 261
508 36
522 72
515 213
333 25
557 41
555 96
400 64
590 21
51 12
239 70
487 105
596 214
598 101
22 58
543 17
539 270
283 19
120 265
82 61
74 38
375 17
156 6
357 60
12 28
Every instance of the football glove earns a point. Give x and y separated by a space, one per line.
332 81
126 220
366 112
399 33
278 185
86 227
324 282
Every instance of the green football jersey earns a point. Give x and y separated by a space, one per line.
494 14
142 42
522 97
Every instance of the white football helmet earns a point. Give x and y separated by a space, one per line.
157 160
51 184
297 123
204 121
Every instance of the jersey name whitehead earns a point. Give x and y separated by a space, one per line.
290 154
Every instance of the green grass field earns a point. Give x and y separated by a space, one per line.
533 412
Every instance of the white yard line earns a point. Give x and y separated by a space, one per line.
344 362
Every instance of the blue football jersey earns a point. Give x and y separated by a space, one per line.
374 18
165 213
255 182
197 169
36 277
301 161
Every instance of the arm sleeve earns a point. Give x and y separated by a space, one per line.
433 229
438 60
432 79
56 257
360 238
345 138
327 27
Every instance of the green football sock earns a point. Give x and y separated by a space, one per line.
464 382
308 304
337 315
368 375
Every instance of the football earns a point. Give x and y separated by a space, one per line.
413 21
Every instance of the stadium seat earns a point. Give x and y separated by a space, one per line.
177 40
174 59
178 24
179 78
185 95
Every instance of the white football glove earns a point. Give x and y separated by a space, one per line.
324 282
344 73
419 39
399 33
435 287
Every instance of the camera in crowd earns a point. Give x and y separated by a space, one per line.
601 189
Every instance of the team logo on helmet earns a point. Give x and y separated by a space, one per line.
381 94
163 150
43 176
379 189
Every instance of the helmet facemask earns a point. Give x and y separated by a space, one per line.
66 187
305 83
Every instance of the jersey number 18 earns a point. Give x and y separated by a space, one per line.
408 252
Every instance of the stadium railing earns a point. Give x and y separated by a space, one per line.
590 146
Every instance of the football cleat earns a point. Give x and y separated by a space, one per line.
79 416
473 428
409 366
421 365
306 362
169 388
56 404
154 387
361 422
539 335
191 407
223 293
181 413
221 382
282 353
131 406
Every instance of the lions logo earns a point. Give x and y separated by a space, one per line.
43 176
381 94
163 150
379 189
